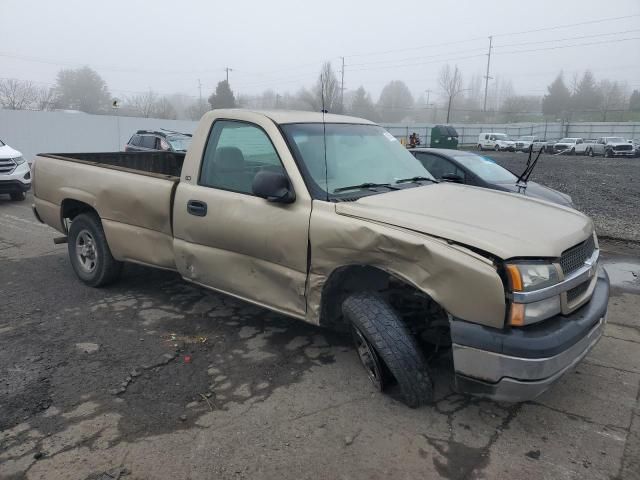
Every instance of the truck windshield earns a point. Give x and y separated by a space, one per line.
355 155
179 143
485 168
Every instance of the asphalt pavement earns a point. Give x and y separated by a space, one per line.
91 387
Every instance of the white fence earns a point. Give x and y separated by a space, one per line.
36 132
56 132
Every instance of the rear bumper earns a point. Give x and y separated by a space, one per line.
520 364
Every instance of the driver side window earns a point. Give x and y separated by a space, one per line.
439 166
235 152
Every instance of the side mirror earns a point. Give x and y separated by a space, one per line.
453 178
273 186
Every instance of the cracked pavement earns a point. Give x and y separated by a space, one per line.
90 388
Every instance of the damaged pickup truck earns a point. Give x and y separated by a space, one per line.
328 219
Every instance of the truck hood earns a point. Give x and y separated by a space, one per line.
504 224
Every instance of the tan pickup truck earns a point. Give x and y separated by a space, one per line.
330 220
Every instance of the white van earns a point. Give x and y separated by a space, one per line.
495 141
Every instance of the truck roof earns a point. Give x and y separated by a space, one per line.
297 116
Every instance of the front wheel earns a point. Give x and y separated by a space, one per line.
608 153
385 345
18 196
89 252
497 148
590 152
572 151
480 147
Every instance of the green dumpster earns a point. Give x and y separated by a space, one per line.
444 136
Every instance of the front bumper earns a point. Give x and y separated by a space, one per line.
19 180
519 364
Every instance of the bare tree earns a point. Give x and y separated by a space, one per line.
326 92
17 94
451 83
612 97
143 104
45 98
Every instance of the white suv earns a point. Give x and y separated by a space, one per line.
15 174
495 141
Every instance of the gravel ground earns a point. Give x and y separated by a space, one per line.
153 378
606 189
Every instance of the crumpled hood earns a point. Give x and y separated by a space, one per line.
8 152
504 224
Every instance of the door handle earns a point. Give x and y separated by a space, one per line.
197 208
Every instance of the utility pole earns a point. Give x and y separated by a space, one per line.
200 102
449 108
342 87
428 92
487 77
227 69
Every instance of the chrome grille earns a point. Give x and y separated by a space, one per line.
620 148
577 292
7 165
574 258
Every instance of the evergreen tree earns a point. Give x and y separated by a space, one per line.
557 100
223 96
362 105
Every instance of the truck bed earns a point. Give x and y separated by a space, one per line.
155 163
132 192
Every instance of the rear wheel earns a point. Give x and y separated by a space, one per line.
572 151
18 196
480 147
590 152
497 148
89 252
608 153
385 345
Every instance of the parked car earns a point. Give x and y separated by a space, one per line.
15 174
480 171
611 147
329 219
495 141
524 143
636 147
150 140
570 146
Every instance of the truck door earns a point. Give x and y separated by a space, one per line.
232 241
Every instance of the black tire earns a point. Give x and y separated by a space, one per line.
392 343
590 152
497 148
18 196
480 147
608 153
97 267
572 151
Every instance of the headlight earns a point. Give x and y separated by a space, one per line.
525 277
528 277
19 160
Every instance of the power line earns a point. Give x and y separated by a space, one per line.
568 46
567 38
568 25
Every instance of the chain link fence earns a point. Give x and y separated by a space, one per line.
468 133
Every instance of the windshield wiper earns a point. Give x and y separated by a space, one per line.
524 178
364 185
416 179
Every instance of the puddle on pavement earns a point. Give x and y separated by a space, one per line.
624 273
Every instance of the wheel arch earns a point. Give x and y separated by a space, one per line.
71 208
353 278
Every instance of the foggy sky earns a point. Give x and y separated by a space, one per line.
168 45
